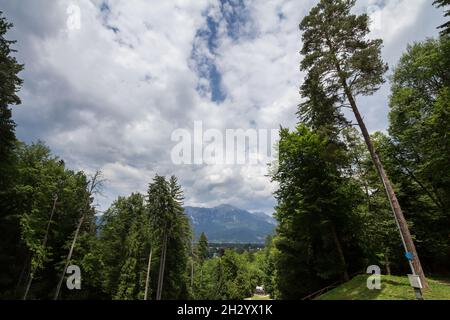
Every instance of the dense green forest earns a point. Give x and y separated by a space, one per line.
334 216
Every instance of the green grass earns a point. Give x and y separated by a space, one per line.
392 288
258 297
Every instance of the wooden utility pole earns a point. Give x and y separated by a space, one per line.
407 240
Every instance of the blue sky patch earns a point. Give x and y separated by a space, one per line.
235 16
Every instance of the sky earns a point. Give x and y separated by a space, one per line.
108 82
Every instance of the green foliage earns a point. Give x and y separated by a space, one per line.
125 240
10 249
316 213
266 261
230 276
446 26
202 248
134 226
334 218
419 144
10 84
25 214
172 234
379 238
337 52
420 117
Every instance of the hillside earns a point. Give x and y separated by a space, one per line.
226 223
392 288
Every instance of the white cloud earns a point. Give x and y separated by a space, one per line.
109 95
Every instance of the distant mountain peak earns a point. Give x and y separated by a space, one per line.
227 223
226 206
260 213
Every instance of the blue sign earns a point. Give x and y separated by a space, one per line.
409 256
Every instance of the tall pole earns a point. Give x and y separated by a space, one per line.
408 243
410 248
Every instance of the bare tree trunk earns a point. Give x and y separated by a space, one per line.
363 181
162 265
340 252
192 273
92 187
44 244
58 289
27 289
396 209
161 257
201 276
192 263
387 263
22 274
147 280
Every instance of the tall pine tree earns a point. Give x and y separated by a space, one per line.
446 26
337 52
10 83
172 235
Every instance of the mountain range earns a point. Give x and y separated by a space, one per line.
226 223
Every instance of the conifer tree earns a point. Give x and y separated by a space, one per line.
446 26
10 83
172 232
347 64
202 248
125 239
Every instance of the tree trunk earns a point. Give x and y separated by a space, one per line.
396 209
22 274
147 280
44 244
192 263
387 263
27 289
364 182
192 274
201 276
162 265
58 289
93 184
340 252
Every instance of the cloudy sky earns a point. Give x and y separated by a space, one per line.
108 92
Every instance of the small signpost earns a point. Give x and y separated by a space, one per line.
415 282
414 279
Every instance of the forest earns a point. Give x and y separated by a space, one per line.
343 193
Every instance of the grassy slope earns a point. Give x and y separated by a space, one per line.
259 297
392 288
